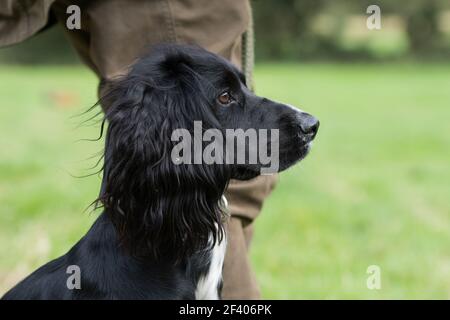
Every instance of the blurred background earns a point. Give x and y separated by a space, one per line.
374 191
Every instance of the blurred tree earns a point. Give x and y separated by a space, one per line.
48 46
422 26
421 18
283 28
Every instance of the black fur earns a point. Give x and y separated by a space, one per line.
161 220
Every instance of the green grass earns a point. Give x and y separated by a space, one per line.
374 191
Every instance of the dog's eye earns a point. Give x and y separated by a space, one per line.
225 98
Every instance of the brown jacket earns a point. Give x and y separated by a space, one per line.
19 20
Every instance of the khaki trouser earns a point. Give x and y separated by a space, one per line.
113 33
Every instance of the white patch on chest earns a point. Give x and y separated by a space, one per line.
207 286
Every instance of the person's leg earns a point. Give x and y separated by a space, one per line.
245 199
114 33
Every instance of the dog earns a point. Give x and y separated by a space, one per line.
161 231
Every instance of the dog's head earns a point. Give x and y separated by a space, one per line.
181 124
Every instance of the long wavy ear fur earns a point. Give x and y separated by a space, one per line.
158 208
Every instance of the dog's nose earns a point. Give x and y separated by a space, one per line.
309 124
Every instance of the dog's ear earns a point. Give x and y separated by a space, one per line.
158 207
